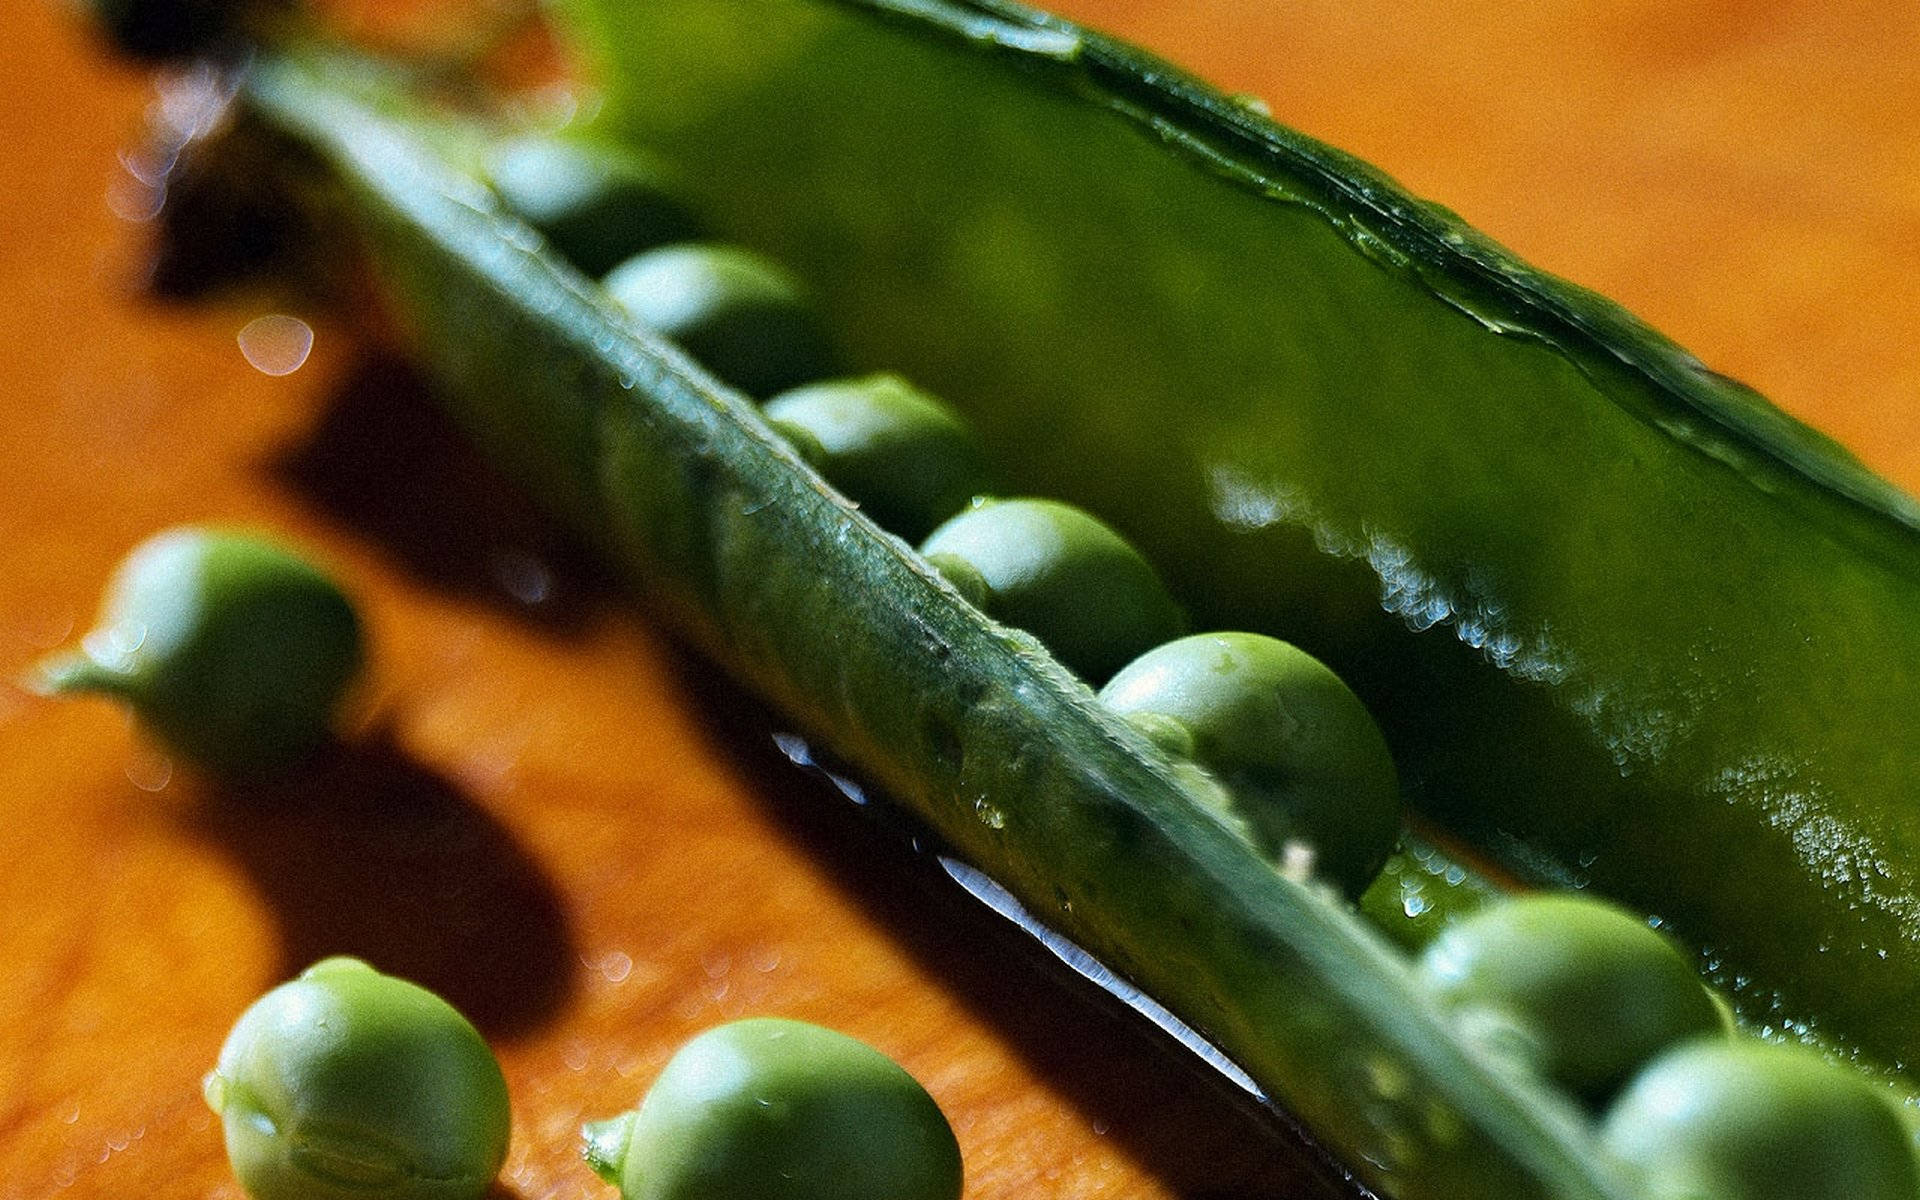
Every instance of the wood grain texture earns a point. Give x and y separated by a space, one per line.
546 811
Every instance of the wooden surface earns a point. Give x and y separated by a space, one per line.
551 815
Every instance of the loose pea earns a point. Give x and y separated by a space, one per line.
1298 756
1744 1120
231 649
1060 574
597 204
741 316
901 454
1592 992
770 1109
347 1084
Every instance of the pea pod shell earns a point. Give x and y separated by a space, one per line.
1608 606
973 725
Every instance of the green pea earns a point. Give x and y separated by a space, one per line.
597 204
231 649
1591 992
739 315
770 1109
1060 574
1296 754
906 458
1744 1120
347 1084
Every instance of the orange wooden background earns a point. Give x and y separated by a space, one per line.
570 828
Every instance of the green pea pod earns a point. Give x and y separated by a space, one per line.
1624 623
970 723
1273 445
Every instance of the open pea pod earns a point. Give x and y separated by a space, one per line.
971 724
1625 623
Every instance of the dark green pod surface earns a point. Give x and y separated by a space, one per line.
970 723
1622 622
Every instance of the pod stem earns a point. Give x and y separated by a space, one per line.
73 671
605 1147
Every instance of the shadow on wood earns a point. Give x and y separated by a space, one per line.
363 851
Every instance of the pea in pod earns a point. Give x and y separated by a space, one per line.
1272 447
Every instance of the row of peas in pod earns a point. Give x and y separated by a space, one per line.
1311 775
1565 987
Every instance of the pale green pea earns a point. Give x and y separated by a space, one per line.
1302 765
1743 1120
1591 992
231 649
903 456
1062 575
772 1109
595 203
346 1084
741 316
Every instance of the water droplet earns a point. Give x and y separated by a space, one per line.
108 647
133 200
715 963
989 815
149 163
765 960
795 748
149 770
44 631
524 577
276 344
1296 860
191 101
615 966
